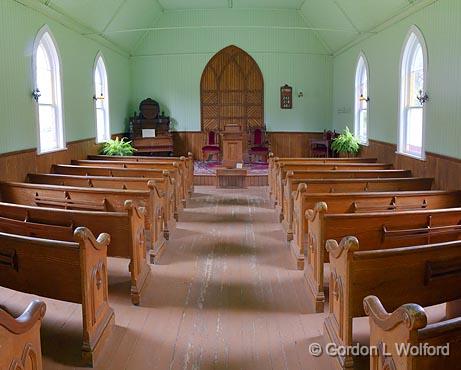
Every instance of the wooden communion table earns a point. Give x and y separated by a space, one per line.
231 178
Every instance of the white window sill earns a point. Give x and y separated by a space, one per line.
423 158
52 151
367 143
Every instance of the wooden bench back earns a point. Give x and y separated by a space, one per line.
105 171
363 203
122 183
380 201
391 230
188 162
176 179
434 272
285 168
164 165
346 174
90 199
68 197
368 185
117 224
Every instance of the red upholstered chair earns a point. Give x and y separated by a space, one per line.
211 147
259 146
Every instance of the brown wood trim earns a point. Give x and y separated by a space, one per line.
432 154
30 150
383 143
295 132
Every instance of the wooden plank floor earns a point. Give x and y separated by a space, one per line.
226 295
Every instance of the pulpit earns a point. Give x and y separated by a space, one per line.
232 139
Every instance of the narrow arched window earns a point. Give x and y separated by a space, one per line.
101 100
413 95
361 100
48 92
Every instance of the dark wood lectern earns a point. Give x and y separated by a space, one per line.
233 143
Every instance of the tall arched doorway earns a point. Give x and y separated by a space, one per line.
232 91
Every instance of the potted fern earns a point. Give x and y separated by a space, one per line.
117 147
346 144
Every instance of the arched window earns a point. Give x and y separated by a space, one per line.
48 92
101 100
413 95
361 100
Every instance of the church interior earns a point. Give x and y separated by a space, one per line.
230 184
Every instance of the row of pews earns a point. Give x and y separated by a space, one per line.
374 240
57 230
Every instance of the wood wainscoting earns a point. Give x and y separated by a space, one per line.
15 166
444 169
292 144
283 144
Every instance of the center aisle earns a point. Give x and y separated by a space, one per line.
226 295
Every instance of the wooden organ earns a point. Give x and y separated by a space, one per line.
150 130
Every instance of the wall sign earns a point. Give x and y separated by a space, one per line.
286 97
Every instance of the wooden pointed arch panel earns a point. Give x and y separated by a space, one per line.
232 91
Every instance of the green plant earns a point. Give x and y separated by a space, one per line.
346 143
117 147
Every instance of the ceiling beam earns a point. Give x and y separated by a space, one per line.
317 32
345 15
205 27
413 7
72 24
116 13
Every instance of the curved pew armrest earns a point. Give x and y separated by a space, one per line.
33 313
82 233
320 208
349 243
411 315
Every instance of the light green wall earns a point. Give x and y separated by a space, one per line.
18 27
168 64
440 25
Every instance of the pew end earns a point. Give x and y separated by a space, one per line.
98 316
314 255
139 268
20 338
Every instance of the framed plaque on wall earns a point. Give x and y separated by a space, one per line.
286 97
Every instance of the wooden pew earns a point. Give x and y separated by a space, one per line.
283 169
174 168
169 186
167 195
423 274
126 230
274 162
93 199
67 271
374 230
333 185
360 203
293 179
408 325
20 346
187 162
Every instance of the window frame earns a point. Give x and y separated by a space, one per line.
100 57
57 76
406 55
356 103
